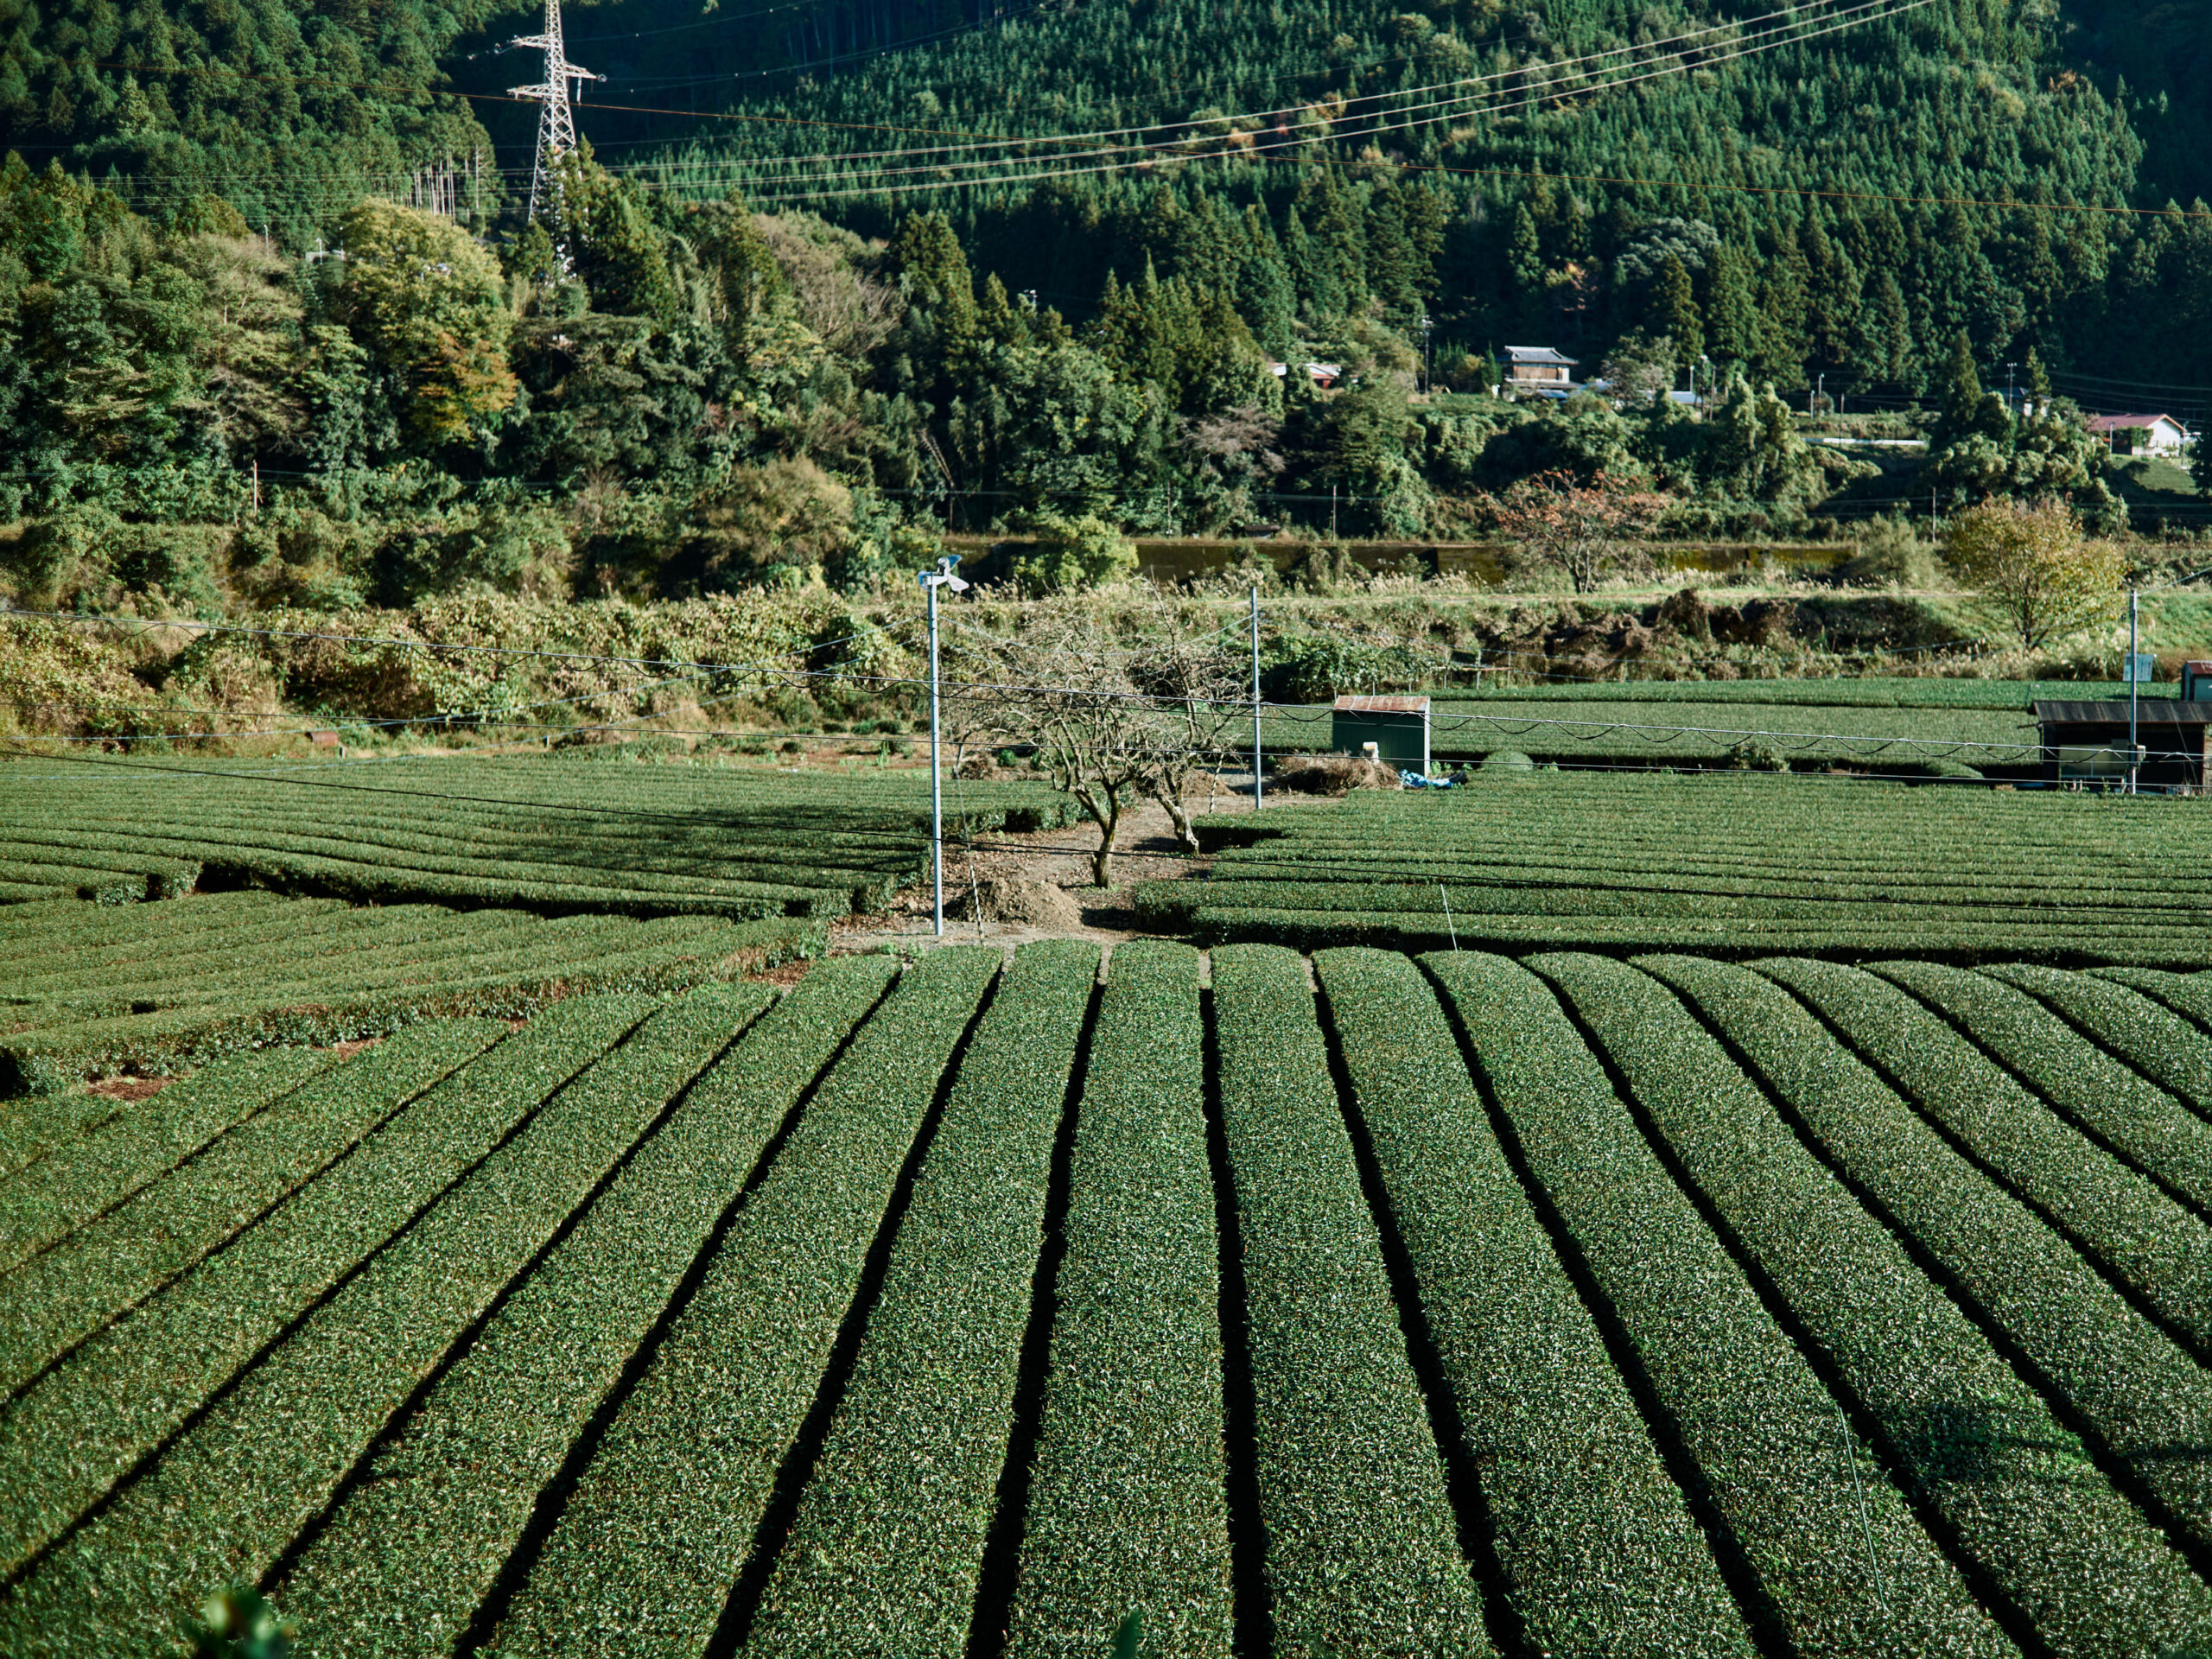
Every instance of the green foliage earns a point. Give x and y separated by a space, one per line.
1070 554
2086 1344
2019 1492
238 1624
2155 1250
508 1412
103 1400
1538 860
689 1462
1127 1504
1338 1414
1728 1377
934 1384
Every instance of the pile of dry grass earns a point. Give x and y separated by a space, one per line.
1332 774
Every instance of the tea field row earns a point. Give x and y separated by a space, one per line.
1725 863
1359 1304
534 833
87 989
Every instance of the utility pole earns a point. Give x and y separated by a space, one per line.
1332 513
932 580
1428 356
2131 684
1255 697
556 125
2010 395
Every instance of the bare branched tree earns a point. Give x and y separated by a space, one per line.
1196 687
1112 725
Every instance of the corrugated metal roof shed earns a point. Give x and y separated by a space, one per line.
1398 727
1382 705
2162 711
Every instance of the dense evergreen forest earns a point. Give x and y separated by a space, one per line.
833 271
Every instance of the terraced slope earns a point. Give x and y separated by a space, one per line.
1372 1306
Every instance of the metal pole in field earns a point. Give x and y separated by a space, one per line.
2130 691
1255 698
932 580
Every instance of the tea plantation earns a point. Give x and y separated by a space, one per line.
1371 1304
1731 864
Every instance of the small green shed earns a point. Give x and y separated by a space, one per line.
1397 727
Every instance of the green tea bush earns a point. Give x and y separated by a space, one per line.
1747 1405
478 1452
2013 1487
2133 1392
661 1524
2134 1232
1593 1538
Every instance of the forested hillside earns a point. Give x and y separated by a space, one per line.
837 268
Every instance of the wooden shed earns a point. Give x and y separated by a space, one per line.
2088 741
1397 727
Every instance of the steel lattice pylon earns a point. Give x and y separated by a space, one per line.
556 127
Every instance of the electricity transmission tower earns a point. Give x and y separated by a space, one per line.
556 127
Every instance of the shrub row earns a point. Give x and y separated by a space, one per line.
2014 1490
600 846
1598 1550
2148 1036
2139 1120
2133 1231
2131 1387
1726 937
2188 996
208 967
88 1420
38 1061
890 1533
557 856
424 944
1840 1561
77 1181
659 1525
268 1455
1128 1508
370 878
1481 903
38 876
115 1262
55 930
1363 1553
412 1549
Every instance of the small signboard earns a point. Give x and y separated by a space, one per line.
2138 666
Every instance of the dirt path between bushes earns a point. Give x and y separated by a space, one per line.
1145 850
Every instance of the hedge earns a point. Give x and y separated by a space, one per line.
1839 1561
660 1523
76 1182
412 1549
2015 1492
1127 1508
115 1262
890 1534
234 1488
2162 1045
2137 1393
1595 1544
86 1422
1362 1553
2117 1107
2138 1235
